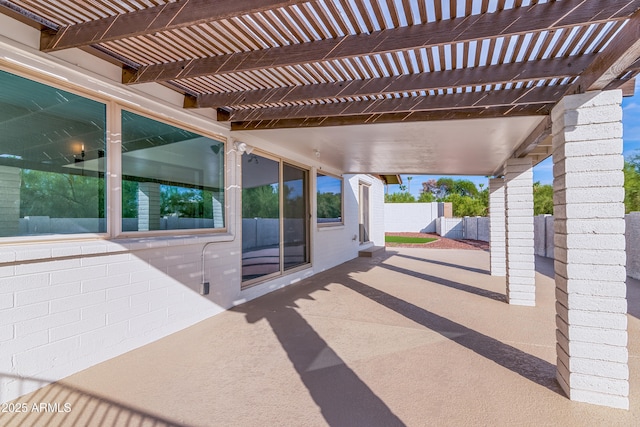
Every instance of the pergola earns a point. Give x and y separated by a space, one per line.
477 87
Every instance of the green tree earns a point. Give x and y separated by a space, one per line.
329 205
426 197
403 197
542 199
466 205
632 184
60 195
260 202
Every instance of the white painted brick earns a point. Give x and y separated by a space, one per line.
591 271
515 237
592 99
6 333
104 283
28 327
592 303
151 297
98 340
524 278
522 302
26 343
520 227
526 274
613 162
586 116
610 400
521 288
512 266
19 283
76 328
45 267
599 384
32 253
524 190
592 242
46 294
584 256
127 267
598 131
607 179
76 301
592 319
105 307
40 359
78 274
126 314
6 301
521 249
608 353
521 258
102 260
586 148
604 369
7 255
20 314
148 322
590 226
589 195
593 287
127 290
614 337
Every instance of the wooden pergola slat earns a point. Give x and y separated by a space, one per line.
414 116
512 97
540 17
494 74
152 20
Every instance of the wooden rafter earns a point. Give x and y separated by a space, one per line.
414 116
152 20
509 97
621 54
478 76
518 21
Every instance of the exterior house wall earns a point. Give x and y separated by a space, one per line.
67 304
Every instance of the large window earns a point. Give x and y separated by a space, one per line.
52 160
329 200
171 178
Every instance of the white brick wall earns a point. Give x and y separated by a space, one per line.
520 258
589 249
497 227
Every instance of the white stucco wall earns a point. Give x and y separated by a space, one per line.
67 304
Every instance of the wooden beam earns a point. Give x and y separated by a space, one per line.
621 54
484 99
415 116
478 76
549 16
154 19
539 134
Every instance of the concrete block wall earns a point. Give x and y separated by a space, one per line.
451 228
591 307
497 228
520 257
410 217
632 239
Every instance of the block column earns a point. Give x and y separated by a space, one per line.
497 238
521 269
148 206
590 257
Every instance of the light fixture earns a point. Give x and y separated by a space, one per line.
242 147
317 153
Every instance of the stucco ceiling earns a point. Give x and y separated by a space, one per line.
459 147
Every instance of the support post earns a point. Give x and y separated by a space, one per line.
521 281
590 257
497 239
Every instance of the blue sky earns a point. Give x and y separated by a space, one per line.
543 172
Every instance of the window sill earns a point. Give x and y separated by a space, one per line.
51 250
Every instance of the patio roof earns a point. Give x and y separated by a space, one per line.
276 68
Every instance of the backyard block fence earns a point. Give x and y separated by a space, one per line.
428 218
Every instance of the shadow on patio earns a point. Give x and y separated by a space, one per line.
418 337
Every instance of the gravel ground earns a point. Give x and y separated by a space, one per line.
441 243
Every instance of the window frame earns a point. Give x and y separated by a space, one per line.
113 156
118 197
330 224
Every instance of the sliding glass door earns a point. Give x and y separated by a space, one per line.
275 217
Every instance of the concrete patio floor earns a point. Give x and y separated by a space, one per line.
419 337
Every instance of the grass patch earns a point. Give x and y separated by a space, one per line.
404 239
